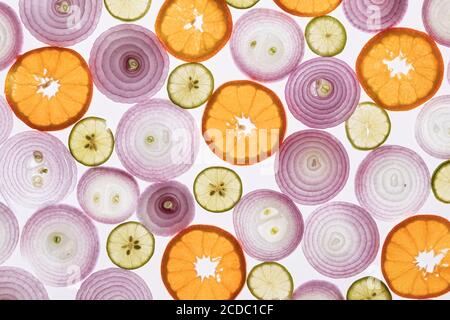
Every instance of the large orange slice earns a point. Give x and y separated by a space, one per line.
400 68
194 30
49 88
203 263
416 257
244 122
308 8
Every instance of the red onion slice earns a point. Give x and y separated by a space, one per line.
11 35
114 284
36 170
392 182
61 244
341 240
268 225
166 208
9 232
128 63
375 15
108 195
266 44
317 290
18 284
6 119
435 15
433 127
61 22
312 167
157 141
322 92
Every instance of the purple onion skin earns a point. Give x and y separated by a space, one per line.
18 284
326 289
18 35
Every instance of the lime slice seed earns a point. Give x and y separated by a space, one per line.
270 281
128 10
368 288
326 36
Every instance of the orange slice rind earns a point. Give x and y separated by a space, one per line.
308 8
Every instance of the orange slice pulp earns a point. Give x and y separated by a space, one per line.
194 30
203 263
416 257
400 68
308 8
49 88
244 122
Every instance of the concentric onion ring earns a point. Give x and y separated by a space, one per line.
61 244
392 182
317 290
11 35
128 63
6 120
61 22
435 19
9 232
114 284
157 141
36 169
312 167
374 15
268 225
166 208
322 92
341 240
18 284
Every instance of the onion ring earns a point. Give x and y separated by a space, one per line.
11 35
317 290
435 19
6 119
9 232
18 284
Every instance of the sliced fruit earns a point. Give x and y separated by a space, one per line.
441 182
400 68
242 4
416 257
308 8
128 10
190 85
193 30
270 281
244 122
217 189
130 245
49 88
91 142
368 288
368 127
326 36
203 263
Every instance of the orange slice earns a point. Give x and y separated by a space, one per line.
49 88
203 263
416 257
194 30
244 122
400 68
308 8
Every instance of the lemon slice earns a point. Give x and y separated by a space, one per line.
128 10
270 281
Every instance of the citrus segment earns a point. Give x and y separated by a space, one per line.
308 8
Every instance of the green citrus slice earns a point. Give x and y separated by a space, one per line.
326 36
128 10
368 288
270 281
441 182
242 4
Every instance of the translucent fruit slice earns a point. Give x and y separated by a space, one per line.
326 36
130 245
128 10
368 288
190 85
441 182
308 8
218 189
203 263
416 257
193 30
91 142
400 68
49 88
368 127
244 122
270 281
242 4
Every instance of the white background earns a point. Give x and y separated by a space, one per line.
255 177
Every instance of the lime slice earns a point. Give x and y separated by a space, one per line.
91 142
326 36
441 182
368 288
190 85
270 281
242 4
217 189
128 10
130 245
368 127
